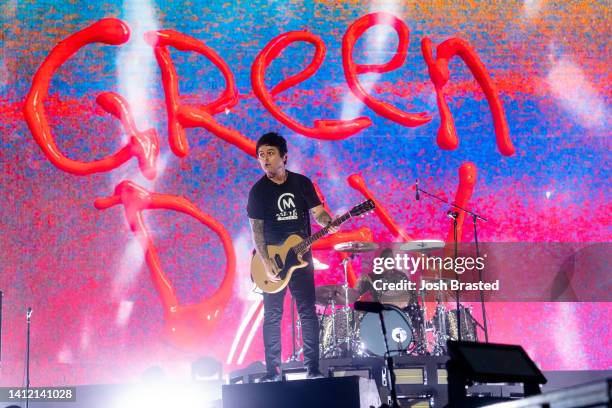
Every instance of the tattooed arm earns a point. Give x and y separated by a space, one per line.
257 229
322 217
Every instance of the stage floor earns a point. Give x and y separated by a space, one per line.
208 394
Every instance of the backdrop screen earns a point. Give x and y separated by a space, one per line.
127 148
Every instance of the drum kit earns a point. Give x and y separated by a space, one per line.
345 332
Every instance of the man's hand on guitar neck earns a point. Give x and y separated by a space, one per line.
333 229
323 218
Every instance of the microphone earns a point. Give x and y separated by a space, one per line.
372 307
452 214
29 313
416 195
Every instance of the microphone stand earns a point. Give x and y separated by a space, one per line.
475 217
346 308
389 361
482 303
454 215
28 316
377 307
1 296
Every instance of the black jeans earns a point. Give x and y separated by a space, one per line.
303 290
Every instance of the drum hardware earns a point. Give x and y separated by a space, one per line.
343 334
324 295
332 295
422 245
356 247
416 316
438 323
440 332
381 309
353 248
468 325
334 331
399 333
348 334
336 326
446 327
327 341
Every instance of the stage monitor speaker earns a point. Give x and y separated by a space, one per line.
338 392
363 373
488 363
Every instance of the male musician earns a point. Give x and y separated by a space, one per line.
400 298
279 205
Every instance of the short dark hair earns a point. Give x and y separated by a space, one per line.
273 139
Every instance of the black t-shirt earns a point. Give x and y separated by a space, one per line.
283 207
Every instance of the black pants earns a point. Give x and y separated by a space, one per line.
303 290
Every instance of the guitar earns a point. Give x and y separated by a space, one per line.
288 256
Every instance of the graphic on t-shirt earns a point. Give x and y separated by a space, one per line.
286 207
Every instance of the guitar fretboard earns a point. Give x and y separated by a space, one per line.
303 246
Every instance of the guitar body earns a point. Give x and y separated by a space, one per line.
288 256
286 260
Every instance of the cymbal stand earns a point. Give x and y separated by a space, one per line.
423 312
440 330
482 303
333 323
346 309
419 329
27 375
475 217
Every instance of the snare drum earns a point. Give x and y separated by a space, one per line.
399 333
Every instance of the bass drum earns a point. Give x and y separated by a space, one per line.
399 333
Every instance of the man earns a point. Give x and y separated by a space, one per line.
400 297
279 205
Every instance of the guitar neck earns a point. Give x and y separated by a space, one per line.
305 244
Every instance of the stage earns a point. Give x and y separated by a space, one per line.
193 188
208 394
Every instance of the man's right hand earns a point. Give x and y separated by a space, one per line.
271 270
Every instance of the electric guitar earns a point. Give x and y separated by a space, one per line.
288 256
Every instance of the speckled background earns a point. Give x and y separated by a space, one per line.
97 317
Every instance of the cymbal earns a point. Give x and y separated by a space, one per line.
422 245
356 247
327 293
318 265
